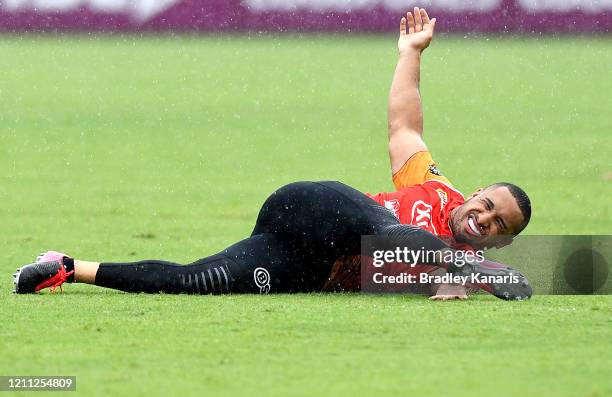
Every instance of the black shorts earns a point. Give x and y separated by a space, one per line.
301 230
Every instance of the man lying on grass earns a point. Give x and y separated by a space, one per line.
307 235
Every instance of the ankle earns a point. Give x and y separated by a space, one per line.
85 272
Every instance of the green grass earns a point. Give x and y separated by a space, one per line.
121 148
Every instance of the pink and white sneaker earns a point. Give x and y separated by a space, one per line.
49 271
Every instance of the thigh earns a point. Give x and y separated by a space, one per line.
330 214
274 263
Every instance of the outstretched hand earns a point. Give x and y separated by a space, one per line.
419 33
450 292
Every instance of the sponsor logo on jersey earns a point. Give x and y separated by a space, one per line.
262 280
434 170
393 206
443 198
421 216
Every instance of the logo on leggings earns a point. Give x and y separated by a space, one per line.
262 280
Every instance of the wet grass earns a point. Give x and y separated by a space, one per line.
121 148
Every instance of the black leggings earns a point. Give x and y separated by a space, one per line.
301 230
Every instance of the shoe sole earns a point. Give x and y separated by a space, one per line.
16 276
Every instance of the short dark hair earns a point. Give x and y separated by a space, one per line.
522 200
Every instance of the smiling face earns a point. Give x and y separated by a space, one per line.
491 217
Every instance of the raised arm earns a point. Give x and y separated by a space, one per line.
405 114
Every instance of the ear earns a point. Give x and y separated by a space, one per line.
476 193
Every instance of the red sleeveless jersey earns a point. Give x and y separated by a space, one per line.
427 205
423 198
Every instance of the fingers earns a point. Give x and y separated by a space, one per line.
410 22
424 16
418 21
403 27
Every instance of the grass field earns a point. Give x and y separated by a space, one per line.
122 148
